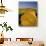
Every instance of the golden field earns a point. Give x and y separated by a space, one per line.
28 17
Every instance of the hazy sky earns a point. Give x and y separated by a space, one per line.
27 4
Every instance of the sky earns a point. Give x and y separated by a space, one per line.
23 4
